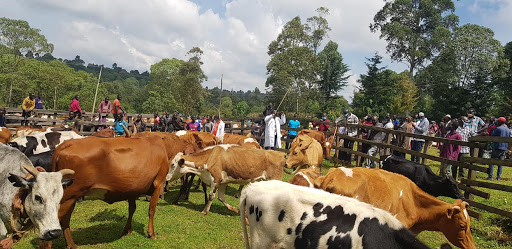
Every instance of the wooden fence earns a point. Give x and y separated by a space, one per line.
246 125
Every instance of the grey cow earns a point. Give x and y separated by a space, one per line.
42 193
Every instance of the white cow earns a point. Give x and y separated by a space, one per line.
40 195
282 215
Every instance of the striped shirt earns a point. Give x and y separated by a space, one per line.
465 133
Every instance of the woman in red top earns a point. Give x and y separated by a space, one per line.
75 106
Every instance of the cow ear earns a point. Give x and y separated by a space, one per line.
181 162
452 211
20 182
66 183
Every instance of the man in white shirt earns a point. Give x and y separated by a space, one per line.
273 130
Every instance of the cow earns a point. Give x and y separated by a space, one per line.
223 164
105 133
42 142
28 194
305 152
397 194
112 169
282 215
321 138
241 140
423 177
202 139
5 135
305 177
43 160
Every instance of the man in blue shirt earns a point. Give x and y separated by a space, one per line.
499 149
118 127
293 123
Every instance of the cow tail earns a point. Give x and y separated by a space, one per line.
242 220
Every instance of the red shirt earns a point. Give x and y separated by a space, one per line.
118 105
323 127
451 151
75 106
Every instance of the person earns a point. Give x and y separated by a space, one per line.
445 122
292 134
178 123
273 130
156 122
117 110
499 149
476 124
465 132
420 128
365 133
396 123
448 150
2 117
375 136
104 109
71 120
208 125
39 102
118 126
75 106
404 141
268 110
218 128
165 123
347 118
194 125
28 105
322 126
140 124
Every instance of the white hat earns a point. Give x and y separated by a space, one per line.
421 114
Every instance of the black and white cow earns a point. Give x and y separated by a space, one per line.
43 159
282 215
423 176
42 142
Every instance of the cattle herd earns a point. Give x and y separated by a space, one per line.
45 171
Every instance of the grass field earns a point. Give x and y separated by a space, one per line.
96 224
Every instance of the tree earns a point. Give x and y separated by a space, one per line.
226 108
241 109
405 100
333 76
416 30
17 38
317 28
189 91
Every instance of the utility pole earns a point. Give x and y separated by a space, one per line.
220 95
96 94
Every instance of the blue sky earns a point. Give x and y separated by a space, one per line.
234 34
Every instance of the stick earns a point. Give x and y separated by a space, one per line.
96 94
284 97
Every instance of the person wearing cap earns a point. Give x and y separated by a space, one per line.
445 122
476 124
448 150
347 118
28 105
420 128
465 132
499 149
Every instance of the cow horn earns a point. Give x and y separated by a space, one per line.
33 171
456 207
127 132
465 203
66 172
134 129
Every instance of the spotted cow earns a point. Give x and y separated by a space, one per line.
42 142
225 164
282 215
397 194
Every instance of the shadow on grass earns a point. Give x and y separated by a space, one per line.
110 230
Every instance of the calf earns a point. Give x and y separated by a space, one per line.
423 177
42 142
245 141
305 152
305 177
221 165
397 194
319 136
282 215
35 196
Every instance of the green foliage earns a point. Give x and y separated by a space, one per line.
241 109
416 30
333 75
226 107
405 98
19 38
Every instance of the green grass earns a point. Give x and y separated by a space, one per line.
96 224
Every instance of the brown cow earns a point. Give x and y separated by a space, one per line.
112 169
305 177
395 193
305 152
5 135
202 139
241 140
223 164
105 133
321 138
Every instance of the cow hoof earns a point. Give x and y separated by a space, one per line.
127 233
151 236
234 209
237 195
204 212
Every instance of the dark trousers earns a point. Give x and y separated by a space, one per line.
345 156
25 115
288 142
416 146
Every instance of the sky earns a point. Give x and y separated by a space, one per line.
234 34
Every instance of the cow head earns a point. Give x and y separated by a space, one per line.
455 225
449 187
42 198
327 147
299 157
176 171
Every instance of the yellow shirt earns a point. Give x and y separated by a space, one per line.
28 104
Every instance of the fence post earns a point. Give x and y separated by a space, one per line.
389 137
425 150
242 126
471 174
360 149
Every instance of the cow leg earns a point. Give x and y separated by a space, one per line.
213 191
65 211
204 191
239 193
152 207
190 181
183 188
131 209
222 191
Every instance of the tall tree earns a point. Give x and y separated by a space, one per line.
405 98
317 28
333 74
416 30
189 91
